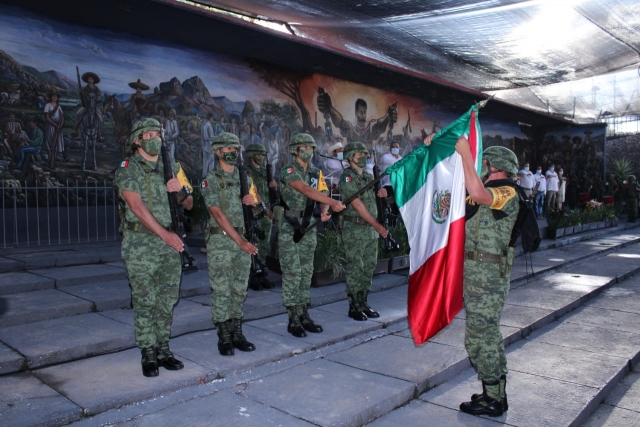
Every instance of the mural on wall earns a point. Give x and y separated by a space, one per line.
69 96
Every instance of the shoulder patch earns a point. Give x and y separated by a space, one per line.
205 184
124 164
501 195
348 179
290 170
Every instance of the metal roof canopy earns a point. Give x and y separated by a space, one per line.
576 59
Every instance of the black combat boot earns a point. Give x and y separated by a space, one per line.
295 327
225 346
166 359
370 312
355 309
149 362
503 392
305 319
484 405
237 338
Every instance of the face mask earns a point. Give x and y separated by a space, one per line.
151 146
395 150
259 160
340 155
361 162
551 169
526 168
230 157
305 155
539 171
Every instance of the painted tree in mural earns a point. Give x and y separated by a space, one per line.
287 82
287 112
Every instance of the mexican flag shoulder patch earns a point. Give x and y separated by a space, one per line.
289 170
124 164
205 184
348 179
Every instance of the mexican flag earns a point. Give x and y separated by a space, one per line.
430 192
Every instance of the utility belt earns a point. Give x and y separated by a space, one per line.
139 227
354 219
504 260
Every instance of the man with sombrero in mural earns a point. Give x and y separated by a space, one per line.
89 94
138 101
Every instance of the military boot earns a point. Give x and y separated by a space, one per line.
237 337
503 393
305 319
485 405
295 327
370 312
355 309
166 358
149 362
225 346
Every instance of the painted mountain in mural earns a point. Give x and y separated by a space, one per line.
32 79
231 106
188 97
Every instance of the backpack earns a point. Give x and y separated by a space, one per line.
526 226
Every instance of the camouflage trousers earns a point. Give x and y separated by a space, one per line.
229 268
296 261
154 271
263 245
361 252
485 292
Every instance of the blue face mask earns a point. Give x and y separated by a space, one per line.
340 155
539 171
395 150
526 168
551 169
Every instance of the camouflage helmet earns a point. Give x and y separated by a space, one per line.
256 149
501 158
354 147
144 125
301 140
225 139
632 178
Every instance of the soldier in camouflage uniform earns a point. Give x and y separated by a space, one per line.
258 173
149 250
228 253
360 231
300 181
492 208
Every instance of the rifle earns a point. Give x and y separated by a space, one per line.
251 229
274 199
394 106
328 130
299 234
177 212
383 214
80 87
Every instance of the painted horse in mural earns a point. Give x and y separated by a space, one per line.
90 119
122 120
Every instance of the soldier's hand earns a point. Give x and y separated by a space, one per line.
273 184
381 230
324 102
269 214
174 241
382 192
248 247
463 147
249 200
173 185
325 216
392 112
427 140
337 206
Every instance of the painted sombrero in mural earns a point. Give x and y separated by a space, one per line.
138 85
85 77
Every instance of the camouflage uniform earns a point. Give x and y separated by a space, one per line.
229 265
259 177
361 240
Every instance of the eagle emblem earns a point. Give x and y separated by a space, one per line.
440 206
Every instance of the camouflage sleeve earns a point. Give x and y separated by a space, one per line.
347 186
289 175
501 195
126 179
210 192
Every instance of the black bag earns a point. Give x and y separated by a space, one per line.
526 226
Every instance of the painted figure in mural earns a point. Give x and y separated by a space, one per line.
138 102
54 120
12 131
228 253
273 153
89 116
233 127
360 231
171 134
206 135
222 126
302 186
149 250
122 120
362 130
491 216
33 144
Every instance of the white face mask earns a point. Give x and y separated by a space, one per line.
340 155
395 150
539 171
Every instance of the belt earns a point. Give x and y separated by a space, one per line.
355 220
483 257
219 230
295 214
139 227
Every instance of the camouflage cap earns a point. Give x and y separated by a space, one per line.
300 140
354 147
144 125
256 149
501 158
225 139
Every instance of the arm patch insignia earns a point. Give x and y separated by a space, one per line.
501 195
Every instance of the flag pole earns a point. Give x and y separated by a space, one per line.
484 102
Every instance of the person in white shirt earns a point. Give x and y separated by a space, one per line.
540 189
552 188
334 166
387 160
526 180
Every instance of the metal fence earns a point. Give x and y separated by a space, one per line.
66 213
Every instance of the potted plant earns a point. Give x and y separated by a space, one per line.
557 220
329 260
